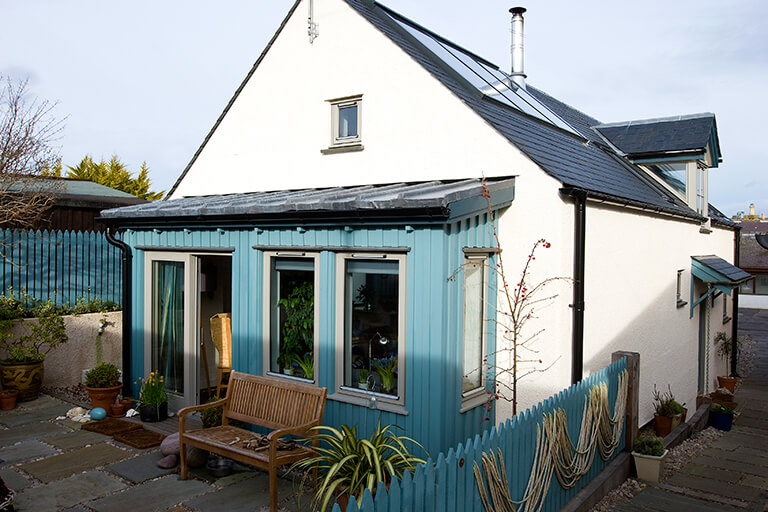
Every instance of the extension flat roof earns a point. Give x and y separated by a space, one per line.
426 201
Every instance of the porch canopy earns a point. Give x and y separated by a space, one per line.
430 202
717 274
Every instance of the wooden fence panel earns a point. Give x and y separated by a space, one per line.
449 483
61 266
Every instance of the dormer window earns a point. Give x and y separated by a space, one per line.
345 124
688 180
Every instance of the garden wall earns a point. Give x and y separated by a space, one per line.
65 364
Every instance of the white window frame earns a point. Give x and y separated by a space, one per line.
679 299
267 311
355 395
338 103
475 397
696 185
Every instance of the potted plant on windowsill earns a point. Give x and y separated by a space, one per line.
22 369
649 454
386 367
362 379
306 366
298 327
103 385
668 413
153 399
721 417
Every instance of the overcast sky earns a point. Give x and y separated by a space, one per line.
146 80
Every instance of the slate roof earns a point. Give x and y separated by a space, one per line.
584 162
751 254
664 135
727 272
436 200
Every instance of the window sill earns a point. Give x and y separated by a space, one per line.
681 304
290 377
367 399
473 400
347 148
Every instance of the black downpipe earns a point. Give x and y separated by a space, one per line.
735 323
579 250
127 258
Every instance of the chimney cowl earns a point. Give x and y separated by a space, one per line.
517 73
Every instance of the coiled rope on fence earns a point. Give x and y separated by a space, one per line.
555 452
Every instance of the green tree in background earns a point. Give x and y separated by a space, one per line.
114 174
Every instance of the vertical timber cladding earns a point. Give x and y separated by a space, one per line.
433 313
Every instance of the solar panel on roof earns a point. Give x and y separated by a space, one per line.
485 77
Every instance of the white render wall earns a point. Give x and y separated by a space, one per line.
753 301
631 275
413 128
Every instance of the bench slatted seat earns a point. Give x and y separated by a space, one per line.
281 406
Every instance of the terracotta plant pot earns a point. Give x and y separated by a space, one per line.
27 378
117 410
728 383
128 403
8 399
662 425
151 412
104 397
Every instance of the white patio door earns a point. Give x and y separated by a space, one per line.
170 315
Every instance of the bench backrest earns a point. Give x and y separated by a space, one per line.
273 403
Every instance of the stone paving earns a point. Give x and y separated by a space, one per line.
54 465
732 474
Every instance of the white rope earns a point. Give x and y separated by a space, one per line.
555 452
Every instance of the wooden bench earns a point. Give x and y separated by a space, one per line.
280 405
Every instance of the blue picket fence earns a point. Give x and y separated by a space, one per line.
448 484
61 266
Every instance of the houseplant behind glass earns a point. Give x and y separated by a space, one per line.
103 385
23 367
153 400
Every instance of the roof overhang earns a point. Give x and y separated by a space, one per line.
717 274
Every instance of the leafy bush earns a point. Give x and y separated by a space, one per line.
104 375
349 464
211 417
46 332
649 445
13 308
299 325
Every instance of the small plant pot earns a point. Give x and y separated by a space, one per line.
153 412
728 383
662 425
649 468
104 397
721 420
128 403
676 420
117 411
362 385
8 399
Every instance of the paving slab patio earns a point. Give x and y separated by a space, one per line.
13 479
68 492
141 468
157 494
246 496
31 431
78 439
23 451
75 461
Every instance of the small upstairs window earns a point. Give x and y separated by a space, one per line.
345 125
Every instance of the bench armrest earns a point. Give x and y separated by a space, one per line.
183 412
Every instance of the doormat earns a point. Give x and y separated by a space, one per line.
140 438
110 426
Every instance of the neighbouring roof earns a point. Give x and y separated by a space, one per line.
753 226
426 201
685 136
715 270
74 192
751 254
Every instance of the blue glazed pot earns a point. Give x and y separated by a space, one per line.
721 420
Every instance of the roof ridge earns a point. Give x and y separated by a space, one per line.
668 119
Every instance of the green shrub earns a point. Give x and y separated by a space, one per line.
649 445
104 375
665 403
721 409
47 332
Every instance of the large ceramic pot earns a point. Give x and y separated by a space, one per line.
26 377
153 412
649 468
728 383
721 420
104 397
